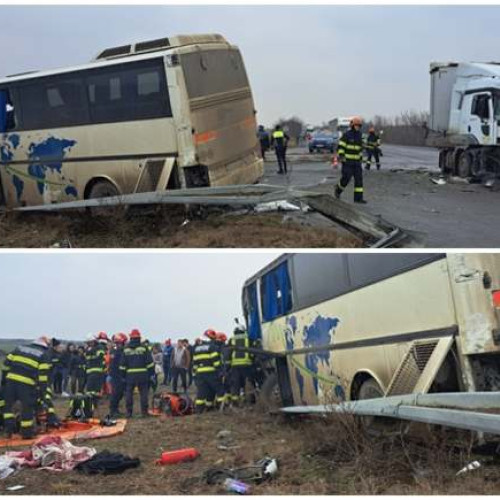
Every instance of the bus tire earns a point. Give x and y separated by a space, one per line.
377 426
102 189
269 396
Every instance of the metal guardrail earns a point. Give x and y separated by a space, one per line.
447 409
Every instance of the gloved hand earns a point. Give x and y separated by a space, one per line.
53 420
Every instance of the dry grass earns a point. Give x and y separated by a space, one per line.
163 228
316 456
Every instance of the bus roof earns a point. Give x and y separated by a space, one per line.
135 52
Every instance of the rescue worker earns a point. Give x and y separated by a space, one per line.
241 364
137 368
95 367
26 377
280 142
264 142
207 368
372 147
350 153
117 382
45 403
226 366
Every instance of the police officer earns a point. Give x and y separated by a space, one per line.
117 382
372 147
95 366
137 369
280 142
207 367
26 376
241 364
263 136
350 153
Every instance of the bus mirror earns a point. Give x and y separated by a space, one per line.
3 111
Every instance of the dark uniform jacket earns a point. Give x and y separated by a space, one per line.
94 360
137 362
207 358
350 150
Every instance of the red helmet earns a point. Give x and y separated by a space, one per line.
119 338
221 337
102 336
211 334
135 334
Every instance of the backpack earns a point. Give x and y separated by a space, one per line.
81 407
172 404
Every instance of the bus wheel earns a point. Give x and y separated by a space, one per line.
464 164
377 426
269 396
103 189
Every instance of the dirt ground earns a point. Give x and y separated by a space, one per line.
314 457
165 228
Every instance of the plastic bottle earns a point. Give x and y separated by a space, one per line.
235 486
176 456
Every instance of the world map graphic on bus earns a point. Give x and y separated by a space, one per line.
319 332
45 156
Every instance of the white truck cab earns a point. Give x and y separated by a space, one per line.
465 117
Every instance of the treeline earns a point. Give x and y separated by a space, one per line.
407 129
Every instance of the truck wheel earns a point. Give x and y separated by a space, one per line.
376 426
464 164
270 396
443 162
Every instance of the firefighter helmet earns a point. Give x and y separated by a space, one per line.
135 334
211 334
221 337
119 338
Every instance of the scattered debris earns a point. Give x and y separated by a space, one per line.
62 244
489 183
17 487
273 206
439 181
225 441
7 467
176 456
235 486
472 466
106 462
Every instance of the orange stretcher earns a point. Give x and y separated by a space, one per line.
71 429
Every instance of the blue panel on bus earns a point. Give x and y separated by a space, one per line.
277 293
254 330
3 111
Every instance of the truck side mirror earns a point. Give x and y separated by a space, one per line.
3 111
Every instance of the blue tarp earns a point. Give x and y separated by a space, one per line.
276 293
253 320
3 111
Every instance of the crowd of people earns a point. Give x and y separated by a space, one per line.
112 369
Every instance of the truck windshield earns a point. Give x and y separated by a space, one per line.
496 106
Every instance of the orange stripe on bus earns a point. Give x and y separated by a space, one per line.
205 137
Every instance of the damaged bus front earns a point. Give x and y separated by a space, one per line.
359 326
162 114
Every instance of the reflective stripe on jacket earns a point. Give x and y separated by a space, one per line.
240 358
350 148
206 358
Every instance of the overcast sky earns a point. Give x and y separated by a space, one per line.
316 62
164 295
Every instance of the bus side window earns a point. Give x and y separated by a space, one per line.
276 292
7 113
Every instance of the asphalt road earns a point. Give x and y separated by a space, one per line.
454 215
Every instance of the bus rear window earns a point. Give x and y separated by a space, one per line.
213 72
276 292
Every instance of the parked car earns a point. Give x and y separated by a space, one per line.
323 142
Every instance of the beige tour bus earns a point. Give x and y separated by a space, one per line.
175 112
362 325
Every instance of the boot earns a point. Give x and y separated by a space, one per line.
338 192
